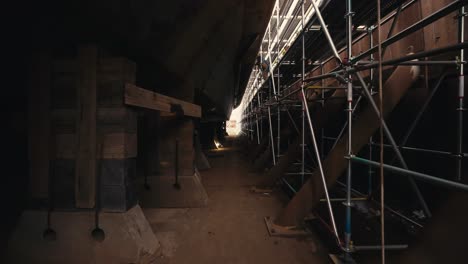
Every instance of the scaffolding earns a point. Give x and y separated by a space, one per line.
341 75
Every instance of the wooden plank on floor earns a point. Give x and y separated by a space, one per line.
140 97
85 169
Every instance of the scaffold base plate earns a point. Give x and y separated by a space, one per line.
284 231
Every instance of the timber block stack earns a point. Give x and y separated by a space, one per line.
116 133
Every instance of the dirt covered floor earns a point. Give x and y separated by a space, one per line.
231 228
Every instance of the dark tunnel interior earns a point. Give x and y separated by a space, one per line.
234 131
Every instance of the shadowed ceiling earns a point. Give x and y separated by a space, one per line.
202 49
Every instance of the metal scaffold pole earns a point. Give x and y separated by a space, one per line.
261 119
256 121
349 28
303 103
325 31
270 70
322 97
319 162
381 134
278 148
389 136
368 58
370 170
258 126
271 136
461 95
314 140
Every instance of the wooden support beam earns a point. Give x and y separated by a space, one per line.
39 124
85 169
140 97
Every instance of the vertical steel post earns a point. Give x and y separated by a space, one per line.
381 134
349 28
461 94
271 136
258 127
370 170
346 123
258 134
250 121
322 92
278 148
303 102
247 124
261 119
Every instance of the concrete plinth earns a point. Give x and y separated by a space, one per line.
162 192
128 238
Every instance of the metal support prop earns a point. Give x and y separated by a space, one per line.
325 31
421 176
319 162
258 129
271 136
394 145
248 122
322 97
251 123
461 94
258 134
303 102
278 142
379 247
370 171
270 69
278 148
270 66
292 121
349 28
